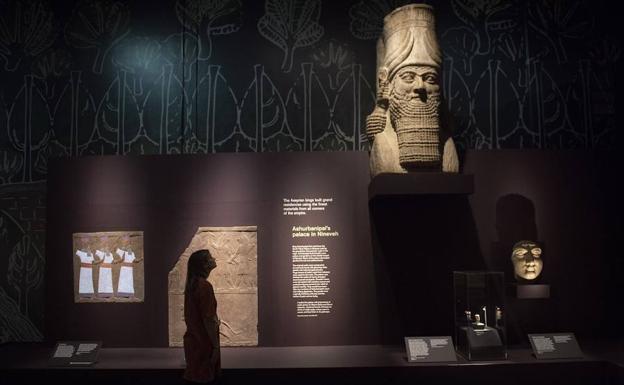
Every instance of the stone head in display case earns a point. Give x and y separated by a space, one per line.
527 260
404 127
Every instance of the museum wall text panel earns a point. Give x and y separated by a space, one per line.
289 232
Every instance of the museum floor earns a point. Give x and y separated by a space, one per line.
372 364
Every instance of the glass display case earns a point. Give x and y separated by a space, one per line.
480 314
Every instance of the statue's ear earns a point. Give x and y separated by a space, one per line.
382 83
382 75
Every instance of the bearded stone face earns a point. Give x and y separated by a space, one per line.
414 105
527 260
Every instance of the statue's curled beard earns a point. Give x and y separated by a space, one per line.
417 126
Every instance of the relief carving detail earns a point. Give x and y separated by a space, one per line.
235 282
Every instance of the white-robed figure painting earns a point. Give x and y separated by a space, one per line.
108 266
105 278
126 273
85 280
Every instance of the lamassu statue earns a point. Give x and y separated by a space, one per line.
405 125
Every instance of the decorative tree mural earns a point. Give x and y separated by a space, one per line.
367 17
291 25
25 271
25 127
555 21
26 30
208 18
98 24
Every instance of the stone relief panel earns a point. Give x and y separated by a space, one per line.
108 266
235 282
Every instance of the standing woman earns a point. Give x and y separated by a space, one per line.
201 340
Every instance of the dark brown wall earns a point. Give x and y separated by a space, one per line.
570 201
567 200
169 197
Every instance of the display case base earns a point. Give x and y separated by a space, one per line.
480 344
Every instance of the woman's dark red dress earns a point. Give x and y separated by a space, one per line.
200 309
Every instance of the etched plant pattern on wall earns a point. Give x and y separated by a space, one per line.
20 298
291 25
98 24
498 55
558 20
101 77
207 18
481 17
26 31
367 17
25 270
235 283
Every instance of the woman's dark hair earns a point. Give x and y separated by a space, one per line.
196 268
